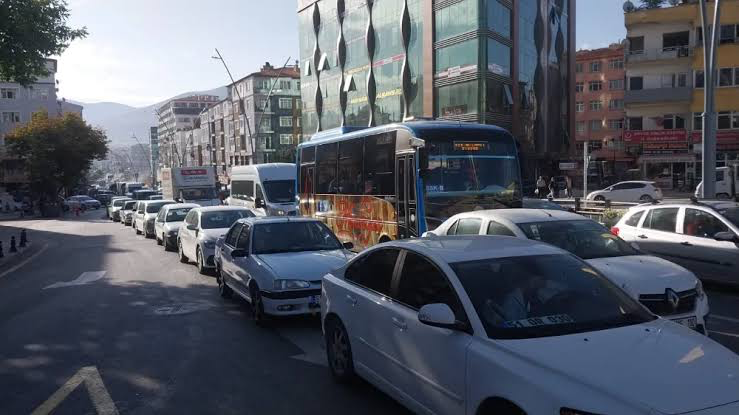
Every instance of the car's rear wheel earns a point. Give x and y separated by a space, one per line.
159 241
200 261
339 351
723 196
183 257
165 242
646 198
599 198
257 306
224 290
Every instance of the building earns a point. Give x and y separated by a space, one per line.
500 62
17 105
154 148
599 116
664 96
65 107
177 115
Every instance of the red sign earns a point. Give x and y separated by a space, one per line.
722 136
194 172
655 136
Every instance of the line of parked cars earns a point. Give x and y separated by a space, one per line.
510 311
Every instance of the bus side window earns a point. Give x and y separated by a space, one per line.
350 167
379 164
327 182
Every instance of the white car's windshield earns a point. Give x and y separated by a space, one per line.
223 218
584 238
271 238
177 215
731 214
117 203
129 205
544 295
280 191
154 207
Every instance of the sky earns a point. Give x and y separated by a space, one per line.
139 52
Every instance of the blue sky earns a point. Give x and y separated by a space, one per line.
143 51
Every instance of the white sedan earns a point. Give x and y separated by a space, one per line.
500 325
633 191
665 288
277 264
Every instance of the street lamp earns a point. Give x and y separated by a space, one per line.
709 110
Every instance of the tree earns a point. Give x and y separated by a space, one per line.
31 31
652 4
56 152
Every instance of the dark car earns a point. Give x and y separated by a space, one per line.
529 203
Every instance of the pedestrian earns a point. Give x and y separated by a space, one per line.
541 187
552 189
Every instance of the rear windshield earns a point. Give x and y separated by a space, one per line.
129 205
177 215
154 207
584 238
223 218
119 202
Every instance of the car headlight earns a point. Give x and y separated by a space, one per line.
209 244
280 212
291 284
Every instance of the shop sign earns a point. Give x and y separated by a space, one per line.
567 165
456 71
722 136
456 110
665 148
655 136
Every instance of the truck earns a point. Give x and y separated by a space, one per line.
190 185
727 180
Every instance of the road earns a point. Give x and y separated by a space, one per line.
104 321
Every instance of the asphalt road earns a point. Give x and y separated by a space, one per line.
103 321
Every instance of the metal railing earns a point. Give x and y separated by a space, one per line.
594 209
671 52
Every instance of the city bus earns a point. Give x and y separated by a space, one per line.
372 185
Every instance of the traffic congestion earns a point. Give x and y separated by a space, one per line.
472 313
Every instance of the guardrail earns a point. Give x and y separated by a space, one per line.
598 210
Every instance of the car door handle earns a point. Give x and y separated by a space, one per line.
686 243
351 300
643 237
399 323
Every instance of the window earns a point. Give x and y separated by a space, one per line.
458 99
421 283
286 121
633 220
10 117
700 80
616 124
233 234
579 86
675 40
379 164
458 18
580 126
286 103
673 122
286 139
728 33
244 237
636 83
702 224
466 226
499 18
596 105
9 93
594 86
578 67
635 123
697 121
724 120
350 167
326 167
725 77
595 66
580 106
616 104
459 54
616 63
595 125
499 58
616 84
636 45
374 271
495 228
285 85
663 219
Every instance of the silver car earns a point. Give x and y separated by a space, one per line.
168 222
126 213
115 207
144 223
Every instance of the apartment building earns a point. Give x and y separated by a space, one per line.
599 114
154 149
178 115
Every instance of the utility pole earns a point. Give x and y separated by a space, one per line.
150 159
709 111
585 162
241 100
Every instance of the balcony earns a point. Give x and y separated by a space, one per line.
648 96
659 54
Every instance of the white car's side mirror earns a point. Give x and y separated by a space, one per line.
428 234
437 315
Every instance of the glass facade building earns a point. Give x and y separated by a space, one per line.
503 62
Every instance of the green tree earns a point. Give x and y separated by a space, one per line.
652 4
31 31
56 152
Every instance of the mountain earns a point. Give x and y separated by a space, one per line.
121 121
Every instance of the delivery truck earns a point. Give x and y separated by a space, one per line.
727 181
190 185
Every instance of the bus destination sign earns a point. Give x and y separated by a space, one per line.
470 146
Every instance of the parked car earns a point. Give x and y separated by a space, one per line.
156 197
144 222
103 196
665 288
276 264
197 236
532 203
143 194
499 325
115 207
83 202
633 191
703 237
127 211
168 221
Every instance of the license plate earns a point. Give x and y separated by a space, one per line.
690 322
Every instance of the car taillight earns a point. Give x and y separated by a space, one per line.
614 231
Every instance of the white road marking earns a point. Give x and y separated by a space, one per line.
717 317
99 396
310 341
723 333
182 308
25 261
84 279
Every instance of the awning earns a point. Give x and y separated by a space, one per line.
667 158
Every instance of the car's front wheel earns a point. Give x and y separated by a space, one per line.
339 351
183 257
201 262
646 199
257 306
224 290
599 198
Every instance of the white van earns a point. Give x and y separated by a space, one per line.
267 189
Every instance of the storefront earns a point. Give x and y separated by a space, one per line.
665 157
727 145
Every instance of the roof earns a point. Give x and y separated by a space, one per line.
712 204
219 208
417 128
277 219
182 205
522 215
475 247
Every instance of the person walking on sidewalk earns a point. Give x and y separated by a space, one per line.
541 187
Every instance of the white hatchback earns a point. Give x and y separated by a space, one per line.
633 191
500 325
665 288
